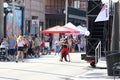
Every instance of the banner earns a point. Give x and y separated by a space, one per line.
16 28
104 13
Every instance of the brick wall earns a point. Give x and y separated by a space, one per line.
35 8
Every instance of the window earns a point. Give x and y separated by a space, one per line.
83 5
77 4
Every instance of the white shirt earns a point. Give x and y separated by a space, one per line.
20 44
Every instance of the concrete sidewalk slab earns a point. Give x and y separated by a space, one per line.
96 74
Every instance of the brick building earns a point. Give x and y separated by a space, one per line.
40 14
34 17
55 12
29 17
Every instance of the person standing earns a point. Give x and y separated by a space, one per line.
65 51
57 46
79 45
4 46
83 43
20 44
31 47
4 43
51 40
11 47
70 44
25 46
37 45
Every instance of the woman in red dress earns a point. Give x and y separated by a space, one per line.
64 51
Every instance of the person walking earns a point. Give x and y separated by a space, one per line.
20 44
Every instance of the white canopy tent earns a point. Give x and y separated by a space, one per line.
83 30
70 25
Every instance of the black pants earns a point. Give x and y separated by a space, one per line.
64 55
31 52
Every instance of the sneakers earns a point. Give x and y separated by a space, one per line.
17 61
61 60
69 60
65 60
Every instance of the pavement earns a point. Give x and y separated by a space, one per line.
98 73
48 67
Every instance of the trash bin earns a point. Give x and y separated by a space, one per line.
112 58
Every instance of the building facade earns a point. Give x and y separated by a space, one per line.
34 17
55 12
28 17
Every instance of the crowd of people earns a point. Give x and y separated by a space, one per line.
21 46
67 44
74 44
28 46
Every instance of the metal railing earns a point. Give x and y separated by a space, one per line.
98 52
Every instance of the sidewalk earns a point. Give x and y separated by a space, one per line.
98 73
48 67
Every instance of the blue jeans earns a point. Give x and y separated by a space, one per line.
57 49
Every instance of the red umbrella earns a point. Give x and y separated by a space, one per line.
60 29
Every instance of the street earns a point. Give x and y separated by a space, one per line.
48 67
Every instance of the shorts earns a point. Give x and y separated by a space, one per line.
37 48
11 51
20 48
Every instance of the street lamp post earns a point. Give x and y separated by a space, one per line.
5 5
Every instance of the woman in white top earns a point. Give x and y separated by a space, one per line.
20 45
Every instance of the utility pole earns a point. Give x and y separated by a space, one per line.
1 20
66 11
